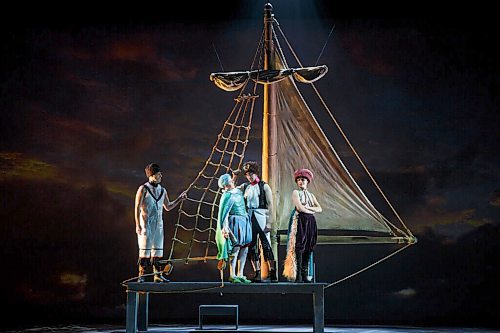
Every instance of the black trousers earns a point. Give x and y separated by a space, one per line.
259 235
307 232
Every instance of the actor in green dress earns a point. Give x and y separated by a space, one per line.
234 231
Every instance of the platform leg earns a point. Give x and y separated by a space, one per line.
319 310
131 326
142 316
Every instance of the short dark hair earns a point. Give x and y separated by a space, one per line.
252 167
151 169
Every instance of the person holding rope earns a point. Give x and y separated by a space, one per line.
302 229
150 200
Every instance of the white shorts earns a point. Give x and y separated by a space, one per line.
151 244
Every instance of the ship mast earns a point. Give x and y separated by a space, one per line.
269 120
269 143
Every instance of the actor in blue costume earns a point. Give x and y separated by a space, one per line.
234 231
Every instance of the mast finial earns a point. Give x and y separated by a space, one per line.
268 11
268 7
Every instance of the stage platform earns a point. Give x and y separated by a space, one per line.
255 329
138 297
138 307
304 329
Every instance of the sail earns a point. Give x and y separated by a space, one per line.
231 81
301 143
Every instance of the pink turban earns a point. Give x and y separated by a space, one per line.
303 173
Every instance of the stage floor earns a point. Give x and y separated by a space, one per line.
256 328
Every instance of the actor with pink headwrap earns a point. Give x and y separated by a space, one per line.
302 229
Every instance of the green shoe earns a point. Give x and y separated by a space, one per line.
235 279
244 279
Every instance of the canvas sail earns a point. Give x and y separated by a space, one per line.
301 143
231 81
296 140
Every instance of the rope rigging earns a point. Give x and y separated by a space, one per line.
197 216
324 46
218 58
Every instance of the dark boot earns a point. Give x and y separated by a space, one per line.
305 267
257 277
298 256
273 275
143 264
256 268
158 270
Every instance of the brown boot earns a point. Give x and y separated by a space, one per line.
157 269
141 273
143 264
159 277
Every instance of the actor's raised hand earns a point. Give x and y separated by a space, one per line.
183 195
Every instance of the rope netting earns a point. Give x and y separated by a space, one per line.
197 216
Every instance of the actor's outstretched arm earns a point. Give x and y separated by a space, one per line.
168 205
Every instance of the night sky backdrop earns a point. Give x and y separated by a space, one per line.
90 96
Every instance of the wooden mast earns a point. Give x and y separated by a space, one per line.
269 122
269 142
